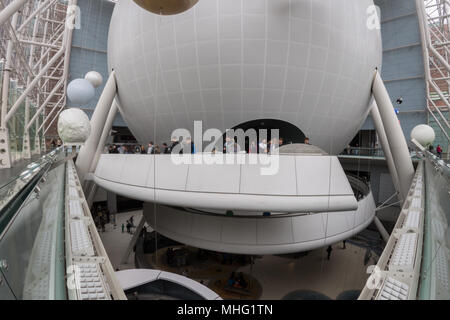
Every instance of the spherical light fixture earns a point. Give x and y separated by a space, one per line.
80 91
424 134
73 126
94 78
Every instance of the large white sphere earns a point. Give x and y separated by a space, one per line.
424 134
73 126
80 91
94 78
225 62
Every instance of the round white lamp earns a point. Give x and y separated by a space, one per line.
94 78
80 91
73 126
423 134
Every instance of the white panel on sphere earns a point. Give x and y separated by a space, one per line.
135 170
313 175
214 178
339 222
308 227
178 223
274 231
338 180
324 47
206 227
170 175
281 183
150 180
241 230
112 169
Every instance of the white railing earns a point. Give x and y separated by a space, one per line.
396 275
86 257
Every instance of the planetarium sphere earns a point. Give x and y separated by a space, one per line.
225 62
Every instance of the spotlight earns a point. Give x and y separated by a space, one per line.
399 100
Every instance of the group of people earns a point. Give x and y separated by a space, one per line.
237 281
186 145
438 150
101 217
136 149
129 225
264 146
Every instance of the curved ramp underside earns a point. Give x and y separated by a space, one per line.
277 234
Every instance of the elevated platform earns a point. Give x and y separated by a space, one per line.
292 183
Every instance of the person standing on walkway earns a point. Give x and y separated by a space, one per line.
123 227
343 242
439 150
329 249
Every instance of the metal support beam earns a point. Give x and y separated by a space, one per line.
375 113
104 137
98 121
32 85
10 9
381 229
394 134
47 100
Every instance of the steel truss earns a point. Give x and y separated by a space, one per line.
35 41
435 34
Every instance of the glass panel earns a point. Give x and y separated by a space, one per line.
29 237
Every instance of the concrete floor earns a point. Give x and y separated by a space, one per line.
278 276
116 242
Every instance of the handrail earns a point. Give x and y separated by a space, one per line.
434 282
15 191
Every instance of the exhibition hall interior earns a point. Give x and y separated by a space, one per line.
224 150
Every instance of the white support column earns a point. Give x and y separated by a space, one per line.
10 9
98 120
104 137
384 234
375 113
394 134
5 156
26 146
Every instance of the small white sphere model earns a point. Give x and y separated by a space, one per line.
94 78
73 126
225 62
80 91
424 134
